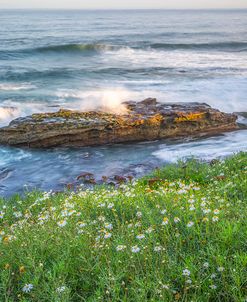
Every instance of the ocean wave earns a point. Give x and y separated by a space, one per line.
96 48
220 46
15 86
76 48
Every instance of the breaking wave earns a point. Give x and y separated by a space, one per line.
95 48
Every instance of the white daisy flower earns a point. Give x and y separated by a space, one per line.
186 272
120 248
140 236
62 223
215 218
135 249
27 288
190 224
107 235
220 269
108 226
61 289
158 248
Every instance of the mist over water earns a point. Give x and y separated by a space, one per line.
89 59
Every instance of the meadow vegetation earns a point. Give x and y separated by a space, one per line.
176 235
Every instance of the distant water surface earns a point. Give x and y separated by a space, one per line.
83 59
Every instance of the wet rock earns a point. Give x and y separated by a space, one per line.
87 178
143 121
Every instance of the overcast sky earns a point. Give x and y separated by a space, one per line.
114 4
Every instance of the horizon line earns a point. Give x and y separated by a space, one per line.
118 9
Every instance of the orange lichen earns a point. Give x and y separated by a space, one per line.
190 117
155 120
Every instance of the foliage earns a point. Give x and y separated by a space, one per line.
177 235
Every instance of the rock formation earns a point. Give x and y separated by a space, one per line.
146 120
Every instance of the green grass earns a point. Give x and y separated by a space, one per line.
192 228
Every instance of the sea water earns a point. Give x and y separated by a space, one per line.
83 59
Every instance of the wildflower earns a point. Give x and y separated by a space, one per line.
110 206
108 226
139 214
107 235
216 211
61 289
191 201
215 218
97 238
62 223
205 219
220 269
17 214
163 211
176 219
158 248
186 272
27 288
140 236
192 208
165 221
206 211
196 188
1 214
81 224
120 248
165 286
190 224
213 286
149 230
135 249
206 265
101 218
22 269
213 276
189 281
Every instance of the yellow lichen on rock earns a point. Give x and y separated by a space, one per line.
156 119
190 117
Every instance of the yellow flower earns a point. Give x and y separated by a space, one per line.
22 269
165 221
7 266
6 239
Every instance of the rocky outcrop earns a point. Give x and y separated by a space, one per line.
146 120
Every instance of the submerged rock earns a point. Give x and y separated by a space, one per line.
142 121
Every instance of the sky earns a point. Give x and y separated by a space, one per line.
123 4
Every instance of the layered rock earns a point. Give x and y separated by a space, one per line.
142 121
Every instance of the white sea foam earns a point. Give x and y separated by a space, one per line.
8 155
10 110
207 149
7 114
16 86
108 99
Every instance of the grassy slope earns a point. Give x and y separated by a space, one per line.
192 218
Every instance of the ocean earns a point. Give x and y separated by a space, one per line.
82 59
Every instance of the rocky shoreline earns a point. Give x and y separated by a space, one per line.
141 121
